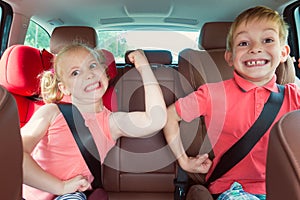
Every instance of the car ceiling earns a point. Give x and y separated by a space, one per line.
127 14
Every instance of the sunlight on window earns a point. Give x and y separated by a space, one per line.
118 42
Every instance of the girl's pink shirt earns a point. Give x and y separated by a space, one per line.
58 154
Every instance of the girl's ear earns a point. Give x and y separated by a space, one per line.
285 52
228 57
63 89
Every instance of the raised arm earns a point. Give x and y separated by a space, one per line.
198 164
139 124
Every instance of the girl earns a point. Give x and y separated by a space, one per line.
52 163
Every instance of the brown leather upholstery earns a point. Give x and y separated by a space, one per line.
285 72
68 34
283 161
11 153
213 35
142 168
198 67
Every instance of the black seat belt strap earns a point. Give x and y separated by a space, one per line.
84 139
242 147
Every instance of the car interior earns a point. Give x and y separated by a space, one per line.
137 168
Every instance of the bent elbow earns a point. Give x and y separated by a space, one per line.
158 118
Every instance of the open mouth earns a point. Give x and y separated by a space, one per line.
93 87
256 63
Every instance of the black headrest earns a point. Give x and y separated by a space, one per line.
154 57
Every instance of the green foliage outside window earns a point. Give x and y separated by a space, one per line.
37 37
115 42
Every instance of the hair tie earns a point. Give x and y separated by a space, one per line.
52 70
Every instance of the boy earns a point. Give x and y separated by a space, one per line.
256 44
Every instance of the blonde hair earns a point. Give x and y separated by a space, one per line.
50 79
258 13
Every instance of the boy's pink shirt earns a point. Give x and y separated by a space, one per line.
236 104
59 155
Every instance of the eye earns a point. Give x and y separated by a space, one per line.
75 73
243 44
268 40
93 65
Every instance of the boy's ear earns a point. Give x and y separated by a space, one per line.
228 58
285 52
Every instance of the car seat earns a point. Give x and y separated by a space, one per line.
11 153
142 168
20 67
283 163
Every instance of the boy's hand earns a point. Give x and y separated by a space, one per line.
138 58
199 164
78 183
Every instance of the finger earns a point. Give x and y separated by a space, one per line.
202 158
83 185
131 57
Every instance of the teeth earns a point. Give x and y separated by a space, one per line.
92 87
258 62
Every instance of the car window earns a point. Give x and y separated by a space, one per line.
37 37
5 24
118 42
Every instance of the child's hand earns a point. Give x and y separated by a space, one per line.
78 183
198 164
138 58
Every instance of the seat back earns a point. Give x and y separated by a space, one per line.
64 35
206 64
283 163
142 165
11 152
20 67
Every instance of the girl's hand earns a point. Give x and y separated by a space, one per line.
138 58
78 183
198 164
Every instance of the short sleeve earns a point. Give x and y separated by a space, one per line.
193 105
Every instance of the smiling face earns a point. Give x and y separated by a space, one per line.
256 50
83 76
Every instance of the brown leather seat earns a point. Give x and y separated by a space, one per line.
283 161
142 168
11 153
64 35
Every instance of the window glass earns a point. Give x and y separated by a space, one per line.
37 37
118 42
6 14
297 20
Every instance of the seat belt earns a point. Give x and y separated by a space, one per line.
236 153
181 184
244 145
83 138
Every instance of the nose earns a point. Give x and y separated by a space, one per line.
255 48
90 74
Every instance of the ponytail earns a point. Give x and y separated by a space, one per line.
49 87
